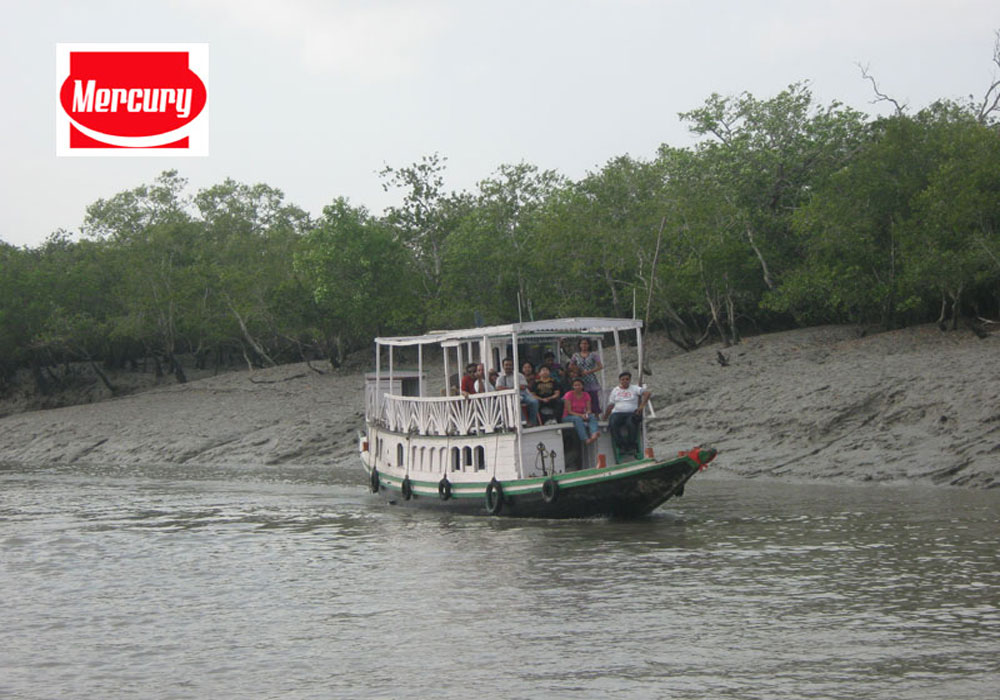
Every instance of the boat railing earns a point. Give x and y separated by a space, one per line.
446 415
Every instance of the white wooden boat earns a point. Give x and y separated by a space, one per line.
428 445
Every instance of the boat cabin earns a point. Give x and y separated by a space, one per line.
420 425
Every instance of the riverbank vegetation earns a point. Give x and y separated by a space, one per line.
786 213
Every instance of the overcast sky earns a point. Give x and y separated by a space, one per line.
314 97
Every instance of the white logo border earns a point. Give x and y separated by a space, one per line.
197 130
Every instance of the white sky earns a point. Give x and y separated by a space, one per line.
314 97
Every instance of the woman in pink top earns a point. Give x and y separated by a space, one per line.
576 410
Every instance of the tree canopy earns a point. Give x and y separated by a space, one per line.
786 212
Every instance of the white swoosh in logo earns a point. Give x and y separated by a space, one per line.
135 141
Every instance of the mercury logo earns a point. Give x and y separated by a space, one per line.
132 99
94 99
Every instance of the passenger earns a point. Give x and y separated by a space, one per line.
572 372
469 380
626 402
547 391
576 410
528 370
508 381
555 369
589 363
485 383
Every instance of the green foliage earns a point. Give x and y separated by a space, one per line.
621 207
767 157
18 314
248 241
493 258
129 214
954 232
911 220
421 221
361 278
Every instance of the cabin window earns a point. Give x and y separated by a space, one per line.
399 454
443 459
456 459
467 456
480 458
413 457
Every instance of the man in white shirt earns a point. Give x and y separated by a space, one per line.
625 406
484 381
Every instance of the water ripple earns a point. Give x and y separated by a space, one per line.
162 583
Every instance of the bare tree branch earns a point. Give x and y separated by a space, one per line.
879 95
991 100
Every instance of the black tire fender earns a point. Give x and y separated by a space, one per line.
373 481
407 488
444 489
494 497
550 490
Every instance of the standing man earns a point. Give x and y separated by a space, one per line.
507 380
625 406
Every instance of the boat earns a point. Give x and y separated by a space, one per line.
426 444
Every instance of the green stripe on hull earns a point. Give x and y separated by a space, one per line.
520 487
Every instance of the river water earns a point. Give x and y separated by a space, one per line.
295 583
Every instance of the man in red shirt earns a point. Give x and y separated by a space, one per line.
469 379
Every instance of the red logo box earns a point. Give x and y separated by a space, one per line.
132 100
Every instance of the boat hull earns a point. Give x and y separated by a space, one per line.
629 490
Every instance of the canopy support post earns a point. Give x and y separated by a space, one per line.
378 382
638 338
618 351
447 374
600 353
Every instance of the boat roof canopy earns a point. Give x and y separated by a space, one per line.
553 327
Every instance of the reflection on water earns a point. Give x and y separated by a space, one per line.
294 583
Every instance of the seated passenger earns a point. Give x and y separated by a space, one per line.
555 369
508 381
469 380
572 373
484 382
576 410
626 403
528 370
550 407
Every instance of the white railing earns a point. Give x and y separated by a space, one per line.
446 415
